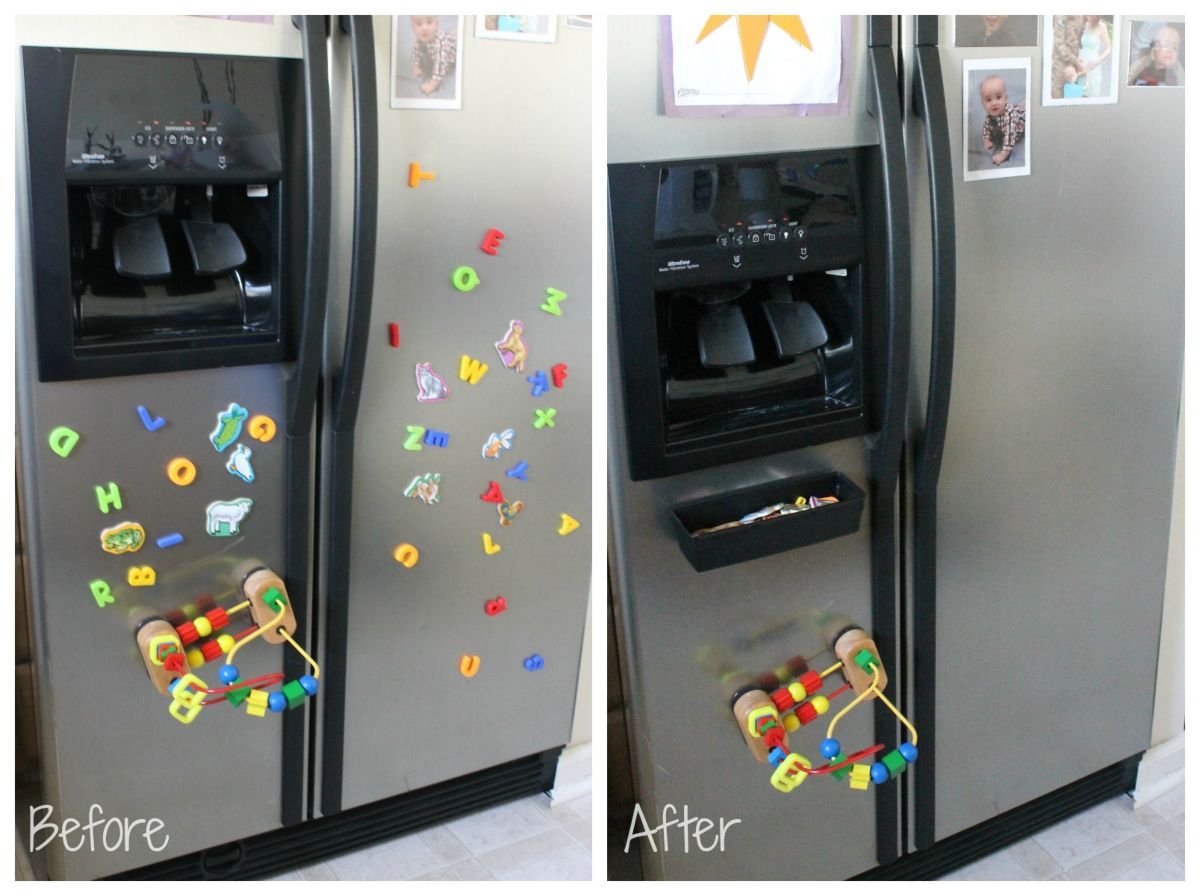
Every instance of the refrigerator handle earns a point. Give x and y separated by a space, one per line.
347 384
883 99
884 106
347 387
302 386
929 104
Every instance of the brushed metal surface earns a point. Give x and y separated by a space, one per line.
678 628
517 158
1055 493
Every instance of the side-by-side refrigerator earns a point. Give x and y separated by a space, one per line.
864 419
250 650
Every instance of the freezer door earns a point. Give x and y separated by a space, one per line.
459 656
686 637
1054 500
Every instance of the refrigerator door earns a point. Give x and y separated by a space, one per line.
114 759
457 657
1065 403
684 634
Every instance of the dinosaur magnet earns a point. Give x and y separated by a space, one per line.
224 518
152 424
508 510
63 440
406 555
430 386
123 538
261 428
493 494
239 463
181 471
497 443
229 426
512 348
424 487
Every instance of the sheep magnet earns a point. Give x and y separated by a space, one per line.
224 517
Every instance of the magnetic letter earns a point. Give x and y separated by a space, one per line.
464 278
62 440
471 370
413 442
108 499
491 241
101 592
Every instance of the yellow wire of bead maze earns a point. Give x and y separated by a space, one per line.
188 691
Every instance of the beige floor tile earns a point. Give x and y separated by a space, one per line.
1162 866
1168 833
317 871
1084 836
499 826
1170 804
1039 863
437 874
1117 860
580 830
998 866
471 870
444 844
572 863
500 861
400 859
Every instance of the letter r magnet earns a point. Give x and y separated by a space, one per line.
491 241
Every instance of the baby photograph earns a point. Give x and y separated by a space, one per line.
427 62
995 118
1156 53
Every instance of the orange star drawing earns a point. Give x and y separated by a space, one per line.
752 30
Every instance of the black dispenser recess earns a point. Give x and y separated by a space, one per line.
164 233
743 290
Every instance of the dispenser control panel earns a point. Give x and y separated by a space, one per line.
167 116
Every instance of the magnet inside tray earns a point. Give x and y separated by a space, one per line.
737 544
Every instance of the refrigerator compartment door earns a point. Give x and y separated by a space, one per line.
708 547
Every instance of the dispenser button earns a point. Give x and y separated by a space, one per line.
219 140
189 140
770 236
172 140
755 238
723 241
799 233
139 139
203 140
739 239
156 139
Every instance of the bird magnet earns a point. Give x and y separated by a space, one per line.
497 444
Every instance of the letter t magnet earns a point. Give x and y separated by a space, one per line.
491 241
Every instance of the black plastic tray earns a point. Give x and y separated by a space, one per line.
737 544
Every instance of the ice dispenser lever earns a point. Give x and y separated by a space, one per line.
724 338
795 327
140 251
214 246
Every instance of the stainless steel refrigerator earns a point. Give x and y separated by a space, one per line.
226 288
961 391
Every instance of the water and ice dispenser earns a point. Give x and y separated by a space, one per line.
743 304
161 219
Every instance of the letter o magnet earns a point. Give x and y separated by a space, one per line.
406 555
261 427
181 471
464 278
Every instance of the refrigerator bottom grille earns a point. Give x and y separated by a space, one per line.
974 843
285 848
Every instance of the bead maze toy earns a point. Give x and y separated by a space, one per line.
776 704
170 653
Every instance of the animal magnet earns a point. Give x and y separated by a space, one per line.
424 487
508 510
512 348
123 538
224 518
497 444
430 386
239 464
229 426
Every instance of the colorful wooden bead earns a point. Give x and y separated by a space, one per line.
210 650
830 747
225 642
294 694
228 674
309 684
776 756
790 722
782 699
860 776
820 704
880 773
256 703
798 691
908 751
204 628
277 702
811 680
218 618
806 713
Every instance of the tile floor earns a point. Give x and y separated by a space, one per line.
1111 841
526 839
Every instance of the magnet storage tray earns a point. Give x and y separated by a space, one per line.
737 544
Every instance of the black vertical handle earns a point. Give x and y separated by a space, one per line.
302 386
302 391
347 388
884 105
929 104
348 382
